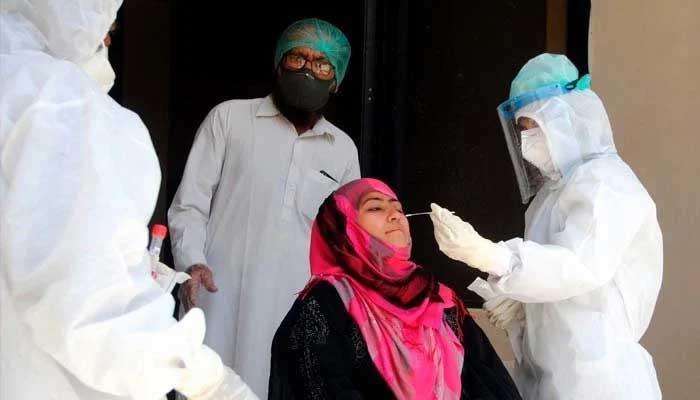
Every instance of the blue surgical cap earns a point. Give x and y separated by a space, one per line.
543 70
318 35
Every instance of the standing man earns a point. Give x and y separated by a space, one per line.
256 175
589 268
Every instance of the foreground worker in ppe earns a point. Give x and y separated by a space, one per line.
578 292
256 175
81 317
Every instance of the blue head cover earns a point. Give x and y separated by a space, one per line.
318 35
542 77
545 70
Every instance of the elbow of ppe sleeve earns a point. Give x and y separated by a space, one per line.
545 273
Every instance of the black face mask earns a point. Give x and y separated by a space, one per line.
302 90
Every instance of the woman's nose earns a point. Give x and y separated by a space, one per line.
395 215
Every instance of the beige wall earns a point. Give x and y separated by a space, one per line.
645 63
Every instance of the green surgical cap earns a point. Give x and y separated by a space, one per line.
318 35
543 70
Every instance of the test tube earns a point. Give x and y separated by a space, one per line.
158 233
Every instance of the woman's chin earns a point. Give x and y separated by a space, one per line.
397 240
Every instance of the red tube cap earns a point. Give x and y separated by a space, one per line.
159 230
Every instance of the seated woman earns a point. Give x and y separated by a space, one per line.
371 324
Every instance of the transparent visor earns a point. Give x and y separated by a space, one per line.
530 179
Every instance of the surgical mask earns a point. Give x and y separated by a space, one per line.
303 91
536 152
99 69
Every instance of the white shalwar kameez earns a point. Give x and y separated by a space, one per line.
245 207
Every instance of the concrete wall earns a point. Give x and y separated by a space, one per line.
645 63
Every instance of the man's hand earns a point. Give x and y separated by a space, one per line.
200 275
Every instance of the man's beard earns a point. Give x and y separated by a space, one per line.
296 116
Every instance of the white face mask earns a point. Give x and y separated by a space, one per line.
536 151
99 69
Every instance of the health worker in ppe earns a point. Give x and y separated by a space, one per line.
576 294
256 175
81 316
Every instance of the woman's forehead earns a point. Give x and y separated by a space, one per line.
376 195
355 190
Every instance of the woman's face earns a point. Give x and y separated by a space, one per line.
382 216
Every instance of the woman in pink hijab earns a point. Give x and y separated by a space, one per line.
372 324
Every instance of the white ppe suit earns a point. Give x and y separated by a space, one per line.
589 269
81 317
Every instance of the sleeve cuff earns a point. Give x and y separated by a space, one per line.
182 262
504 261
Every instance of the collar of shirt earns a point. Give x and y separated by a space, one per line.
267 108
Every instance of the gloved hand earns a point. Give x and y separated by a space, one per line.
206 378
502 311
165 276
200 274
459 241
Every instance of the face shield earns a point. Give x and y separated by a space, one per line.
529 177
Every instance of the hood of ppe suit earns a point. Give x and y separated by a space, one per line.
71 29
18 34
576 126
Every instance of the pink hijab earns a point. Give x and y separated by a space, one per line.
398 305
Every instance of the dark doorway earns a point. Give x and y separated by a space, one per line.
419 98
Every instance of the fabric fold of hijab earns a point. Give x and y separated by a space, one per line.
398 305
